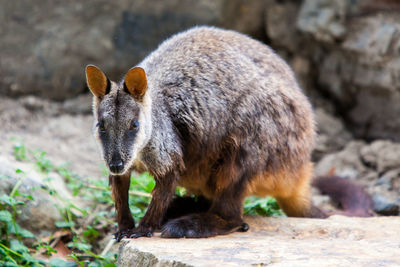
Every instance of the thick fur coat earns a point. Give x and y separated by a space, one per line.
213 111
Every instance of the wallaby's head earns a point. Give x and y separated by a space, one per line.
122 113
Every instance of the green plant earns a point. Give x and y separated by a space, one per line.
89 225
87 229
95 191
262 206
42 162
19 151
13 251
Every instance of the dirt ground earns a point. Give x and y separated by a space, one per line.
65 136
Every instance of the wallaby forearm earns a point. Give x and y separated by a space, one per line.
120 191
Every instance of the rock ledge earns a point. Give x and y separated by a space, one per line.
337 241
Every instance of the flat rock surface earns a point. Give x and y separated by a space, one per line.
337 241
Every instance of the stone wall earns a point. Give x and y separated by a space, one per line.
345 53
349 51
46 44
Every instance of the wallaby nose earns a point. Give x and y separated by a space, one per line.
116 165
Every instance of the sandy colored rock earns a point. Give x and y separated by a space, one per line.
337 241
40 214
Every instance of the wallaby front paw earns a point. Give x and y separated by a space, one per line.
137 233
133 233
120 234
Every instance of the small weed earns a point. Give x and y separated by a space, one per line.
42 162
262 206
88 227
19 151
13 252
45 248
180 191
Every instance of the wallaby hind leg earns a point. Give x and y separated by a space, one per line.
181 206
295 201
223 217
200 225
228 180
299 206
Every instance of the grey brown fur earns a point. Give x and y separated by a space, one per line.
222 116
221 86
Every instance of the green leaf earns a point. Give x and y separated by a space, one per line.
262 206
8 263
57 262
30 259
18 246
30 197
94 264
19 231
25 233
6 199
91 232
63 224
136 210
18 203
110 264
180 191
143 182
5 216
79 245
19 151
82 246
27 196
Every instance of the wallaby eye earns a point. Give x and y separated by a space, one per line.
100 125
135 126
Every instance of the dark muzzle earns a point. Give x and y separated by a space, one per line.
116 165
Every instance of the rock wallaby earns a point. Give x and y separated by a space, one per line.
215 112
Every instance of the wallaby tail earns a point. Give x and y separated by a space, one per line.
350 197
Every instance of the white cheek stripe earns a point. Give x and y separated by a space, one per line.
145 130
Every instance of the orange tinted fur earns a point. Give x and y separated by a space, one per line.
195 180
290 188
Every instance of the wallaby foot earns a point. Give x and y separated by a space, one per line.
201 225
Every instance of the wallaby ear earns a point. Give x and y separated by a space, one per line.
97 81
136 82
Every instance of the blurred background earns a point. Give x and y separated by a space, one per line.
346 51
345 54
